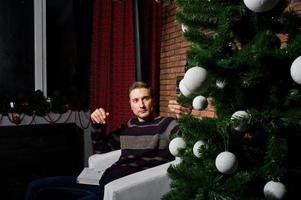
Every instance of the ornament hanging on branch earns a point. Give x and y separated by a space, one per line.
199 103
274 190
226 162
183 89
16 119
184 28
195 81
260 5
241 120
66 106
220 84
175 145
196 148
296 70
12 105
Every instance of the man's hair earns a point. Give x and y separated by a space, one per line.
140 84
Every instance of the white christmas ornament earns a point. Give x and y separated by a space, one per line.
239 115
199 103
260 5
175 145
226 162
196 148
296 70
183 89
274 190
196 80
12 104
184 28
220 84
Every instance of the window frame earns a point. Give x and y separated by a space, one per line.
40 54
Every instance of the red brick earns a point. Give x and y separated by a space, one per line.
172 59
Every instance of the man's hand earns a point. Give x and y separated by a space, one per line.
178 109
99 116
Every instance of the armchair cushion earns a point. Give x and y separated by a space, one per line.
149 184
104 160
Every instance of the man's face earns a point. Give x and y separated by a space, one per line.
142 103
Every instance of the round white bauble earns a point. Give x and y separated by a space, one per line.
274 190
296 70
241 114
226 162
196 148
199 102
183 89
260 5
12 104
220 84
184 28
175 145
196 80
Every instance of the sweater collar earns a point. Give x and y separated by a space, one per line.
135 121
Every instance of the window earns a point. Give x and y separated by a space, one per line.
45 45
16 45
63 38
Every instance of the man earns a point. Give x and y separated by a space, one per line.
143 141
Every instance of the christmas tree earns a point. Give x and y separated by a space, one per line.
237 59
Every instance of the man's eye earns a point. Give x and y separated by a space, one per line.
146 98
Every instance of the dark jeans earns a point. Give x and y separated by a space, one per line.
66 188
61 187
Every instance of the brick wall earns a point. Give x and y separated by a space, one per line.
173 60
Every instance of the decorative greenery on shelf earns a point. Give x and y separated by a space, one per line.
35 103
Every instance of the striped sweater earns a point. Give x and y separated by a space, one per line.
144 145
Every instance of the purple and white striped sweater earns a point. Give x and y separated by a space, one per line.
145 144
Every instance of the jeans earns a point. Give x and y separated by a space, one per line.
62 187
66 188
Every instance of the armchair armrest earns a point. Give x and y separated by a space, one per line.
149 184
104 160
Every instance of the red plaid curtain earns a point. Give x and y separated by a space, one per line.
113 55
113 61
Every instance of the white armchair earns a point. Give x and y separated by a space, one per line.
149 184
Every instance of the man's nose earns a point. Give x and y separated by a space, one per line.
141 103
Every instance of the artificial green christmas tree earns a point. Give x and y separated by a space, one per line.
254 80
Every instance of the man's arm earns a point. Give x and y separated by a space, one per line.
179 110
101 142
99 116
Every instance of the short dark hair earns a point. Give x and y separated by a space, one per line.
140 84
